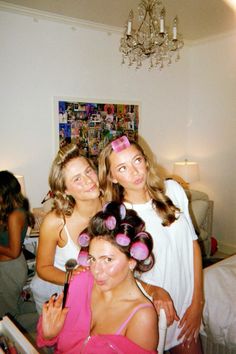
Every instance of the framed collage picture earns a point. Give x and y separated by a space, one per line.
91 125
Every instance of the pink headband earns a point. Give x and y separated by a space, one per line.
120 144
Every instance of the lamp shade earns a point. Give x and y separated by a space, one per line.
187 170
21 180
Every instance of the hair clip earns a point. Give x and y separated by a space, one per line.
122 239
83 239
120 144
110 222
139 251
83 258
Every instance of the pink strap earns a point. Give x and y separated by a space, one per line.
124 324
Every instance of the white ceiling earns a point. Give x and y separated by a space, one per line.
198 19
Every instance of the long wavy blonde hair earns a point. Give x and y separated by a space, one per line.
155 185
63 204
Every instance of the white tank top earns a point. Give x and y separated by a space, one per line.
62 254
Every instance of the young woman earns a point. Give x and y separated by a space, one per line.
74 184
105 310
15 217
126 175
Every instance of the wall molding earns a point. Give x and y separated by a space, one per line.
49 16
227 248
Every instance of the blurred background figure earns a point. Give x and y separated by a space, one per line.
15 217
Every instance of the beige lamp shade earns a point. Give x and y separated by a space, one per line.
187 170
21 180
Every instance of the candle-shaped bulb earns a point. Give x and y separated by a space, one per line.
175 22
162 20
130 20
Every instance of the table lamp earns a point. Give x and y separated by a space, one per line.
21 180
187 170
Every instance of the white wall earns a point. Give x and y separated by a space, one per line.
212 128
41 59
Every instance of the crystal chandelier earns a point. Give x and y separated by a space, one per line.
152 40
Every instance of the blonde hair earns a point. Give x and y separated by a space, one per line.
63 204
155 185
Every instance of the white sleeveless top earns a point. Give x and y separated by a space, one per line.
42 289
62 254
173 251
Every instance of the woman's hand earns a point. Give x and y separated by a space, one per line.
53 317
79 269
190 322
162 299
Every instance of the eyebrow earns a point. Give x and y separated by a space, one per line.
133 158
104 256
84 171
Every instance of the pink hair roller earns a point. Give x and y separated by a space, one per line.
139 251
83 258
122 211
110 222
122 240
120 144
83 240
142 233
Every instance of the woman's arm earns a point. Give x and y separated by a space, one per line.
191 320
16 222
48 240
161 299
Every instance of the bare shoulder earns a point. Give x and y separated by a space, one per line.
18 215
147 314
143 328
53 220
52 225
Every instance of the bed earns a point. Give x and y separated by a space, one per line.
218 333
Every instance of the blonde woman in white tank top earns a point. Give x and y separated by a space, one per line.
74 184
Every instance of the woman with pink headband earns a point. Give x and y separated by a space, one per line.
105 310
126 175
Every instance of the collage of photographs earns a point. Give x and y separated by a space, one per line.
92 125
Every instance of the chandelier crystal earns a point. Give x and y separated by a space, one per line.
152 39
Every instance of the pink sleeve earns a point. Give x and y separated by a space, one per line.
78 302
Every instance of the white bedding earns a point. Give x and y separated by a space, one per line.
219 313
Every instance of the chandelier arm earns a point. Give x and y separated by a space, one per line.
141 24
152 23
140 46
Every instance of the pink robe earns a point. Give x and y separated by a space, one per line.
75 336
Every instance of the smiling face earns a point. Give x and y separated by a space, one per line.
81 180
128 168
109 266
